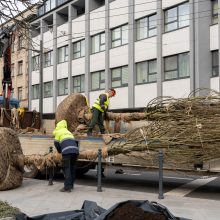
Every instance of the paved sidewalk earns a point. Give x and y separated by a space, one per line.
35 197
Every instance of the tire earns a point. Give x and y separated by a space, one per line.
30 171
83 168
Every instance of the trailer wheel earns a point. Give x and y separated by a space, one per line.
30 171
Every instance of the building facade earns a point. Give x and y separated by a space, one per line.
142 48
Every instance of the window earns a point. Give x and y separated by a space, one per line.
59 2
48 59
214 11
79 49
20 67
146 27
48 89
35 92
41 10
12 69
176 66
98 80
63 86
19 93
20 42
63 54
147 71
120 36
215 63
177 17
79 83
98 43
13 47
120 77
36 62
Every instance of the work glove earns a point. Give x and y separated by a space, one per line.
103 107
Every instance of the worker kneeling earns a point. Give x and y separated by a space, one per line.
66 144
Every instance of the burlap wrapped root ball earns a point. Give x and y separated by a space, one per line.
73 109
11 160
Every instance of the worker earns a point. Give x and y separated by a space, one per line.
66 144
100 107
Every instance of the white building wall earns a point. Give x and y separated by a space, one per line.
120 100
94 95
144 94
169 3
118 13
78 66
144 8
176 42
97 20
62 35
97 62
48 105
78 28
214 37
35 79
62 70
35 105
214 83
177 88
48 74
146 49
48 41
119 56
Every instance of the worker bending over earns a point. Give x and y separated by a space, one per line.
99 107
66 144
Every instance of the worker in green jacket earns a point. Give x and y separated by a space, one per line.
100 107
66 144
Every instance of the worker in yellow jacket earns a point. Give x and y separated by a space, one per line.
99 107
66 144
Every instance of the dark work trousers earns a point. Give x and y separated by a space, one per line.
97 118
69 161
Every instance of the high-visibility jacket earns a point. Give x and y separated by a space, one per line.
64 141
97 103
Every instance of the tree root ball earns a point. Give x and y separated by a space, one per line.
11 160
72 109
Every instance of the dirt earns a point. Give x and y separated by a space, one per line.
7 211
129 211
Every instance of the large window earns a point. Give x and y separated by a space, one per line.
177 17
20 67
19 93
147 71
36 62
120 77
79 83
146 27
48 59
49 4
63 54
215 63
63 87
176 67
48 89
79 49
214 11
20 42
120 36
98 43
98 80
35 91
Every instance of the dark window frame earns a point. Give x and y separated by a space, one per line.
177 69
119 78
214 15
50 95
20 63
215 67
100 80
65 87
48 63
20 91
79 86
37 92
35 68
112 41
66 54
80 51
100 43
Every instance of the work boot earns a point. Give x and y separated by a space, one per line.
65 190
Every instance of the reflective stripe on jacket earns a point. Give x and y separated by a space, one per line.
98 106
64 139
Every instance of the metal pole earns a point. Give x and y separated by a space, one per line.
41 80
160 158
99 171
50 183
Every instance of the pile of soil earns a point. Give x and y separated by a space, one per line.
129 211
11 160
7 211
